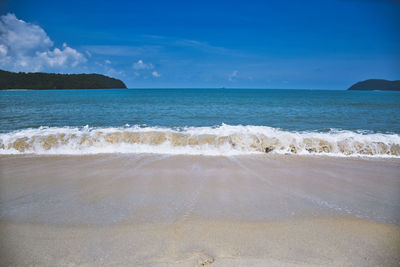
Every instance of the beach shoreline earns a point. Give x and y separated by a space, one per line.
168 210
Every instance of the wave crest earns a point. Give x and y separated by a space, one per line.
222 140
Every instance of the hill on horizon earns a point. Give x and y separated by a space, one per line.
49 81
376 84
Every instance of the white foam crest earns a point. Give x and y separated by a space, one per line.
218 140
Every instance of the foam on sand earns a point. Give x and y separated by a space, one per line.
219 140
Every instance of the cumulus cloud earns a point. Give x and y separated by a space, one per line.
140 65
233 75
61 57
27 47
155 74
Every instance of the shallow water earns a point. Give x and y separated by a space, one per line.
200 121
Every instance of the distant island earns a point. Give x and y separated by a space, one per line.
48 81
376 84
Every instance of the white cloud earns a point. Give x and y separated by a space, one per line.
140 65
114 72
155 74
141 69
3 50
21 36
26 47
61 57
233 75
107 61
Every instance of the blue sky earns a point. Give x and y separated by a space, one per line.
237 44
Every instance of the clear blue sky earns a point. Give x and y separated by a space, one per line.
243 44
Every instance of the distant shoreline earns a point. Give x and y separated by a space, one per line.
47 89
52 81
376 85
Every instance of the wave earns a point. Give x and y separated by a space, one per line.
219 140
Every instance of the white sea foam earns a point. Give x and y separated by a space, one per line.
220 140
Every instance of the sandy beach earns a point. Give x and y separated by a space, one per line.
163 210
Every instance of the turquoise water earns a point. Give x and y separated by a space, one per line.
286 109
210 121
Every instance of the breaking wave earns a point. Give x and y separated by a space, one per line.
220 140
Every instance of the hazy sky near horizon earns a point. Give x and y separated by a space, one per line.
306 44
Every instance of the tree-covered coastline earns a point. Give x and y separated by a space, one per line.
48 81
376 85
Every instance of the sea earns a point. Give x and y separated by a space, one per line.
200 122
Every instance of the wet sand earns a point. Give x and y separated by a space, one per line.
162 210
